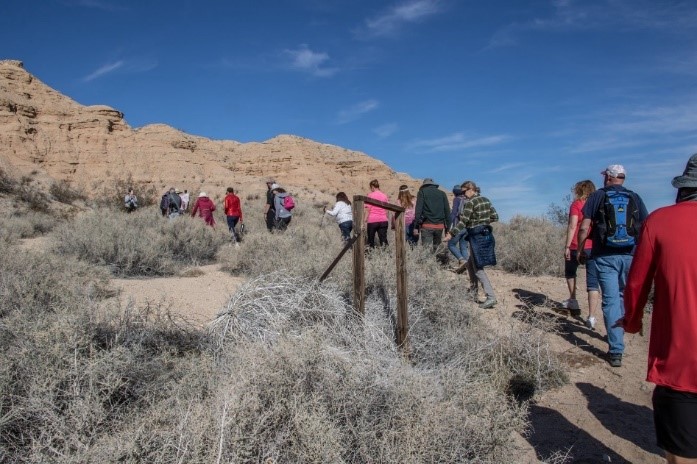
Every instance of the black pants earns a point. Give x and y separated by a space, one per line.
270 219
381 229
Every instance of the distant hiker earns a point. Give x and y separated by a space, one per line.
477 215
269 210
616 215
343 215
571 261
185 200
432 214
205 207
376 216
408 202
233 213
130 201
458 244
170 205
282 214
666 257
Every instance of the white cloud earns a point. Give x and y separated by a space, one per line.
392 20
306 60
386 130
356 111
454 142
103 70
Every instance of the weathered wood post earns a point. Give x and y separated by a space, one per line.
358 257
401 261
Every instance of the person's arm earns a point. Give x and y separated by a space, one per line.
570 230
334 211
418 211
494 215
639 281
448 221
583 235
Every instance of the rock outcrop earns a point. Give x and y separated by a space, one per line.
46 133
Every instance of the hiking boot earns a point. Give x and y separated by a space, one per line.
489 303
570 304
616 360
590 323
460 266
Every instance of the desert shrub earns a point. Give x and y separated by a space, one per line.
62 191
35 199
111 194
141 243
7 183
530 246
27 225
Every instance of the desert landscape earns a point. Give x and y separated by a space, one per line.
130 338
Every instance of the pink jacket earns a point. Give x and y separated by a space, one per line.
375 213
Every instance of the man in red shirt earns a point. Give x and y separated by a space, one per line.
666 256
233 212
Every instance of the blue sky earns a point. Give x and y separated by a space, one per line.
523 97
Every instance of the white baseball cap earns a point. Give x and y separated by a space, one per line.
614 170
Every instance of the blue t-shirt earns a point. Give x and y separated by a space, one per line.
594 202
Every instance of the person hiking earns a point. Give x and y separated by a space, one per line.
173 204
571 262
233 213
343 215
185 200
205 207
614 215
432 214
408 202
282 215
458 244
376 216
269 211
477 216
130 201
666 257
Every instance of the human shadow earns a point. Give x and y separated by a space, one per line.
548 425
569 327
630 421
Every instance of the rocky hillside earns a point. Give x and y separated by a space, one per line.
46 133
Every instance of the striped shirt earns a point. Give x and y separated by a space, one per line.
476 212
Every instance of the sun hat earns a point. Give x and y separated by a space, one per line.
202 194
689 176
428 181
614 170
274 186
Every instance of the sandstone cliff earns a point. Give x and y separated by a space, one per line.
48 134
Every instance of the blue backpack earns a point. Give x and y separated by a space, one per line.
618 219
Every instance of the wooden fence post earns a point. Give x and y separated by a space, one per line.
401 262
358 259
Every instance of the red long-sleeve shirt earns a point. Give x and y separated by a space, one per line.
231 205
667 255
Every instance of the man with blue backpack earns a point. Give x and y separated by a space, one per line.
614 216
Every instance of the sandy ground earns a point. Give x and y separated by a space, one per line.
603 414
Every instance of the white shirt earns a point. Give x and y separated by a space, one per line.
342 211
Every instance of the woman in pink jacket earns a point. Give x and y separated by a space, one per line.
376 217
205 207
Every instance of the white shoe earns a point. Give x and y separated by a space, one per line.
571 303
590 323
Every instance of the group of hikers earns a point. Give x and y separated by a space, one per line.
626 252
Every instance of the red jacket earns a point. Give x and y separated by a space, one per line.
231 205
205 208
667 256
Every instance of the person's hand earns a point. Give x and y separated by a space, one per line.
415 232
447 236
581 257
567 253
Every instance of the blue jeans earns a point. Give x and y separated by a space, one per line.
612 275
346 227
458 246
231 224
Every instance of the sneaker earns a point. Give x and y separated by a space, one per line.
571 304
590 323
616 360
461 266
489 303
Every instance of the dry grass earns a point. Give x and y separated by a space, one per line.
530 246
141 243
